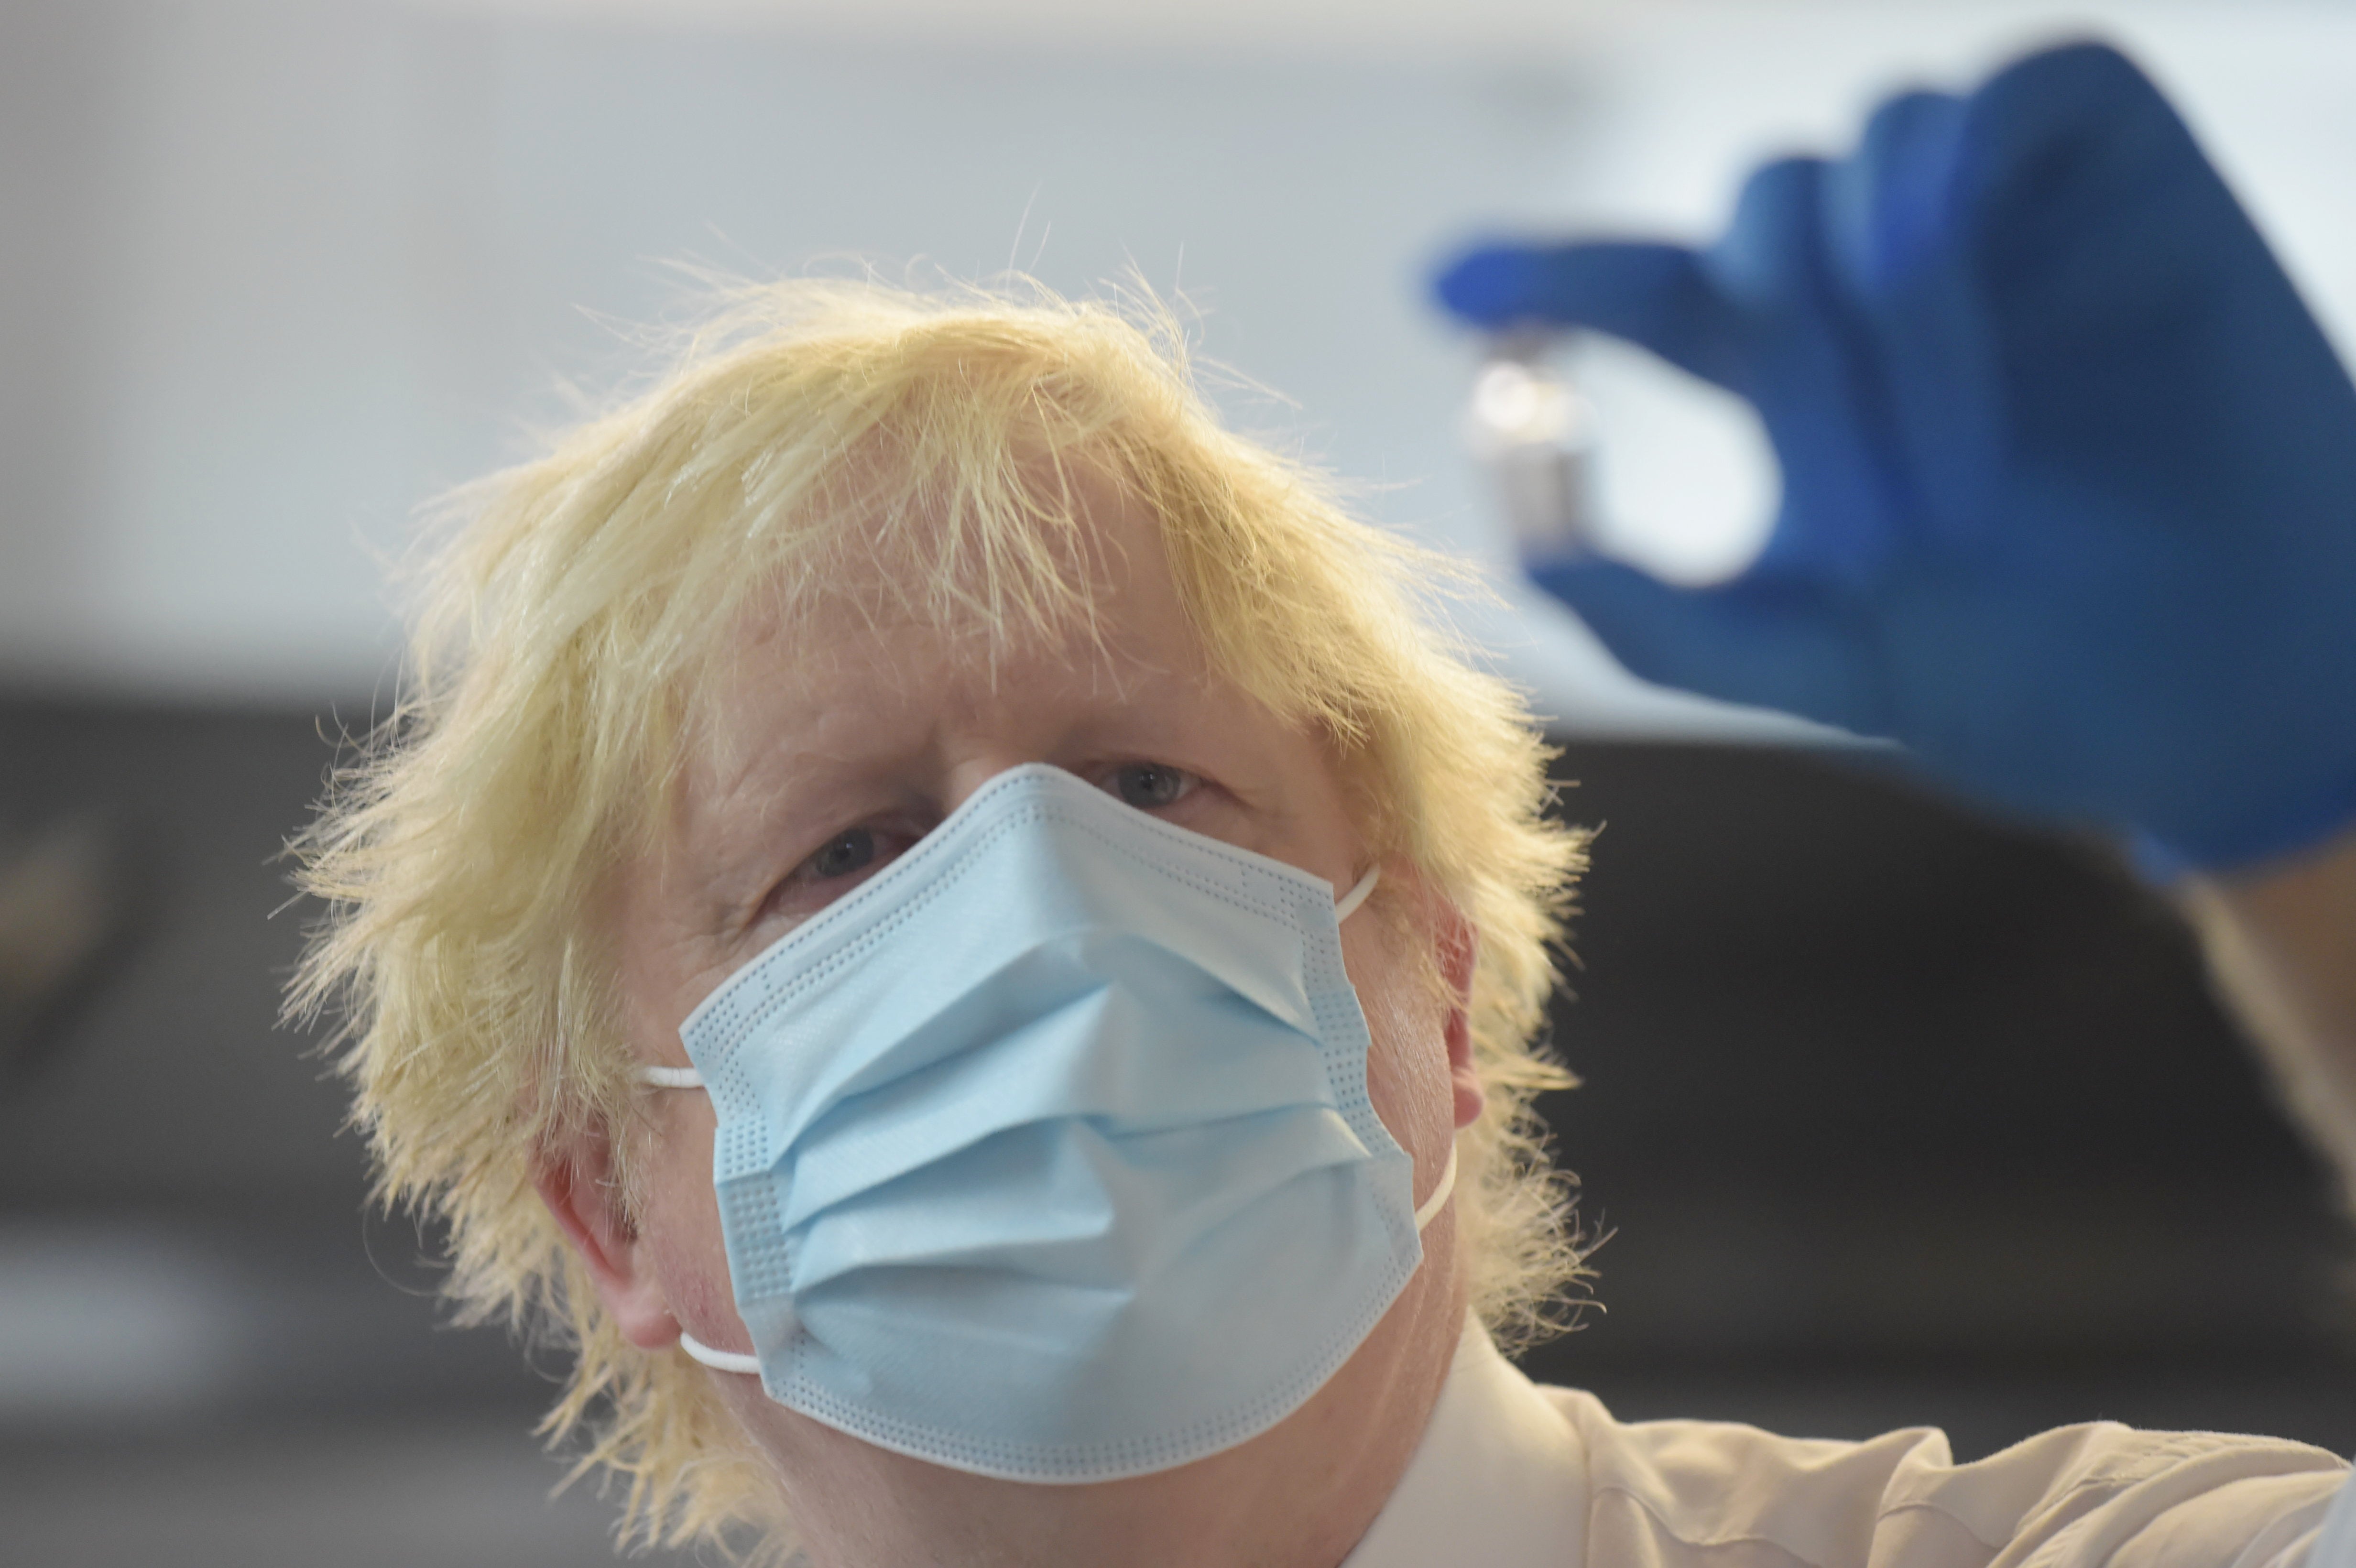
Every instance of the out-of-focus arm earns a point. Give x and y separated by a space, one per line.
2281 946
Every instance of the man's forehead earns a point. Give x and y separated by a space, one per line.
1110 634
846 670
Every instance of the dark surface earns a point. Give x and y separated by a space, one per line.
1904 1117
175 1086
1898 1119
402 1493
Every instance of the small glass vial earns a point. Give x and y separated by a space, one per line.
1532 430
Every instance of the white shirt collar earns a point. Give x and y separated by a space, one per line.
1498 1465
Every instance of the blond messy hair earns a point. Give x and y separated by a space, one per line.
576 601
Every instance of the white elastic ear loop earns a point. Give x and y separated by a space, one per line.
720 1360
1429 1211
1432 1206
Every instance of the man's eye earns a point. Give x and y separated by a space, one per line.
837 866
844 853
1150 785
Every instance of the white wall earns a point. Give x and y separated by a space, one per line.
282 269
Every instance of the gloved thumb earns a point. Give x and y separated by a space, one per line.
1778 643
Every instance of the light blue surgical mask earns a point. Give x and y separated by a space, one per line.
1046 1153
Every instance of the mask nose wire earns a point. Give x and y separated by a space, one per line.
1344 908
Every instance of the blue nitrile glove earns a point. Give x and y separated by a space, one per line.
2069 471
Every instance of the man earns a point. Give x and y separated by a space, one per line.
949 925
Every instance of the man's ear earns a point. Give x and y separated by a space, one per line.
580 1187
1458 950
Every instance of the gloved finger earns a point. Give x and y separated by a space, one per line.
1816 383
1784 645
2050 119
1888 204
2080 175
2194 367
1894 236
1653 296
1770 263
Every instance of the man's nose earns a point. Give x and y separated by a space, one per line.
966 774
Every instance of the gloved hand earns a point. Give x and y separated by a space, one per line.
2069 471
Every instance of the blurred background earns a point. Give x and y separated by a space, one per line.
1898 1117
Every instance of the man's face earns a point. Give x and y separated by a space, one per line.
829 748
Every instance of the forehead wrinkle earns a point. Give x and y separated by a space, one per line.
760 725
798 707
1097 633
